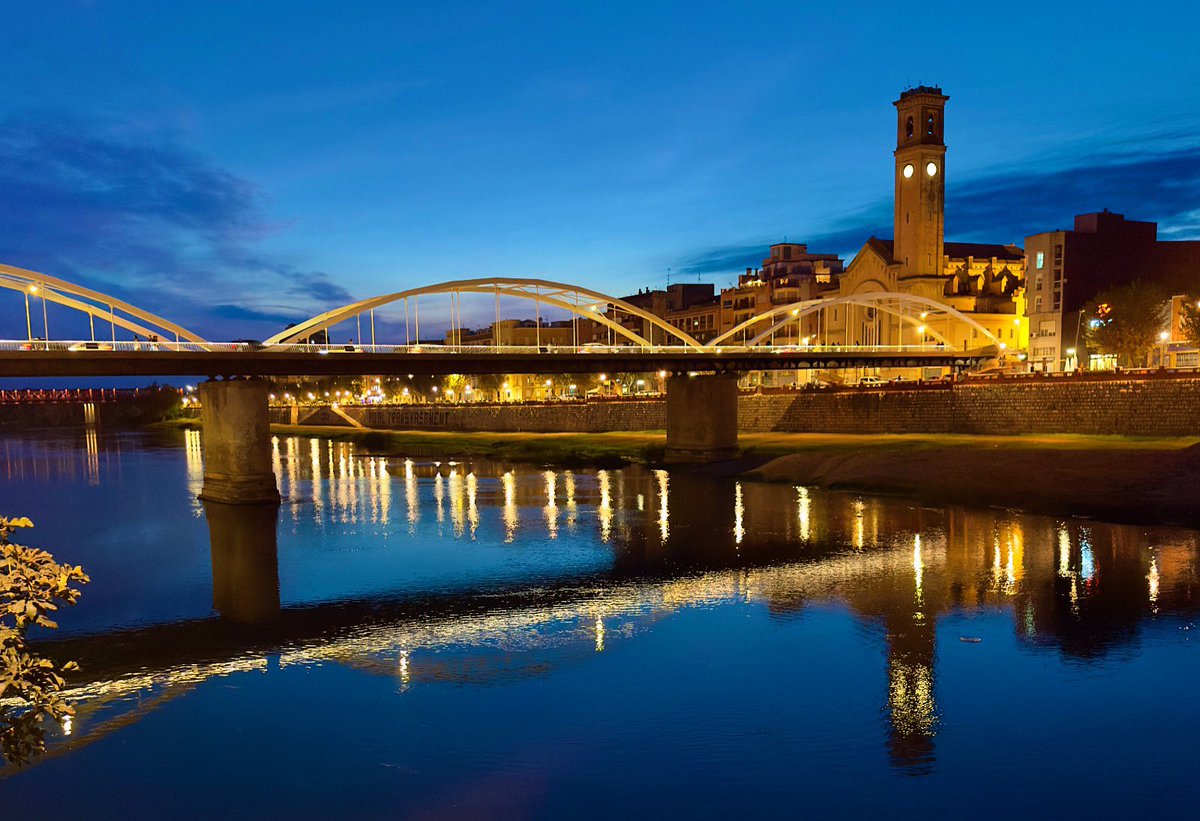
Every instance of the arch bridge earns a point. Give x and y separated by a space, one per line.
700 378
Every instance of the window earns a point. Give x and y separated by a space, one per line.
930 126
908 129
1037 303
1041 259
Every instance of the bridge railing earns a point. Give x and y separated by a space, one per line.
144 346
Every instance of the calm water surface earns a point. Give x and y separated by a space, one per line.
413 637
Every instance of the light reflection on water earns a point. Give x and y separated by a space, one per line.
489 573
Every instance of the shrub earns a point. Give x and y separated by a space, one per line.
31 586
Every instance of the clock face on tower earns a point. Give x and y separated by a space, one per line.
908 171
931 169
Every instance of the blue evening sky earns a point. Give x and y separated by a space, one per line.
239 165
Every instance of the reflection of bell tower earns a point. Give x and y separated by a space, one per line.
920 182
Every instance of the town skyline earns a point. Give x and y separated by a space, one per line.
172 192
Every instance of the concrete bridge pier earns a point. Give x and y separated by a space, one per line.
702 416
237 442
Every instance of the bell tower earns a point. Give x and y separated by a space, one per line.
920 182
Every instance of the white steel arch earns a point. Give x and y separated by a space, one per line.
95 304
556 294
889 302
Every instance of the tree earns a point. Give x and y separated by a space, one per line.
1125 321
490 385
1190 324
31 583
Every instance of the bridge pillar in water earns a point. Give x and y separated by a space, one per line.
237 442
702 418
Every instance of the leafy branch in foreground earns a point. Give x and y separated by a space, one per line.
31 586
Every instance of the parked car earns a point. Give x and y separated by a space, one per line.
870 382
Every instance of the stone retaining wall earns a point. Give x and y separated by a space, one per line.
1148 407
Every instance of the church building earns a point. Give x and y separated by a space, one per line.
984 281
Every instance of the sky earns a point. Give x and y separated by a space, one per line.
239 166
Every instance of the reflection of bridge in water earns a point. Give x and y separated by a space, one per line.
678 541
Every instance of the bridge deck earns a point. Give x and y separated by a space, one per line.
301 360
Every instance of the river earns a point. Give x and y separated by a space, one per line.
421 637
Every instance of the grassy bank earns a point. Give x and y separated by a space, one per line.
566 449
1117 478
1106 477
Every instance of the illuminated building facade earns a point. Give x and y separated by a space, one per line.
1067 268
516 332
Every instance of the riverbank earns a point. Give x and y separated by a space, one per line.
1115 478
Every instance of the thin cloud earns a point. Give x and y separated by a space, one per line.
1006 207
144 217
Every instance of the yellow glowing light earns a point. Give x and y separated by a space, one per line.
908 171
804 511
664 527
33 289
739 513
662 374
931 169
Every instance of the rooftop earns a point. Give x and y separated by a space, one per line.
911 92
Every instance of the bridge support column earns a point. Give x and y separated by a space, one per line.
701 418
237 442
